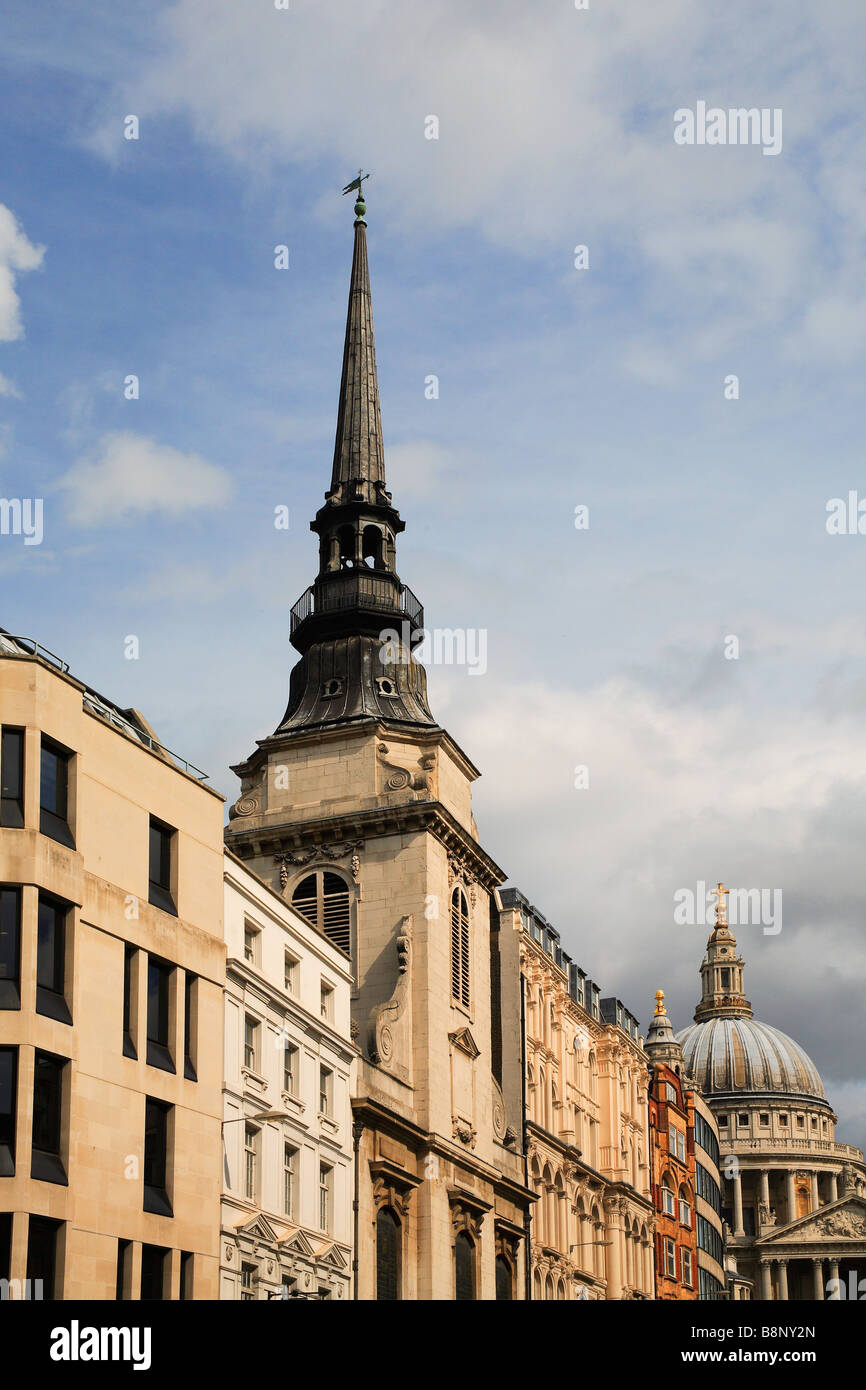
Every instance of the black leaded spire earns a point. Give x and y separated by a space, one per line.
337 624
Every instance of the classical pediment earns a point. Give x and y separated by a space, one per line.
256 1227
839 1221
330 1255
297 1241
464 1040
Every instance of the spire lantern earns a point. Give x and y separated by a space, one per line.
722 989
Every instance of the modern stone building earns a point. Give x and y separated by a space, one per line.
111 997
795 1198
357 808
586 1122
288 1178
690 1243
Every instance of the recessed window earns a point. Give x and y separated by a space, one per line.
251 1043
814 1122
53 915
130 1012
783 1121
42 1254
460 963
156 1141
123 1279
763 1120
248 1272
159 983
685 1209
326 1090
464 1267
290 976
742 1119
326 1196
251 944
8 1101
10 948
162 846
670 1258
187 1271
190 1012
669 1206
387 1255
332 687
723 1122
290 1179
12 778
323 899
687 1266
251 1162
48 1079
54 793
801 1123
290 1068
327 1001
154 1271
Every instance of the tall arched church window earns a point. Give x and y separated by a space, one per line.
323 899
460 947
504 1279
464 1266
387 1255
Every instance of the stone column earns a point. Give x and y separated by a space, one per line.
764 1179
791 1196
818 1278
834 1274
834 1191
783 1281
738 1206
766 1282
613 1233
816 1201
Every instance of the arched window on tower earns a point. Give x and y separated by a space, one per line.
464 1266
388 1275
460 948
372 547
323 899
347 546
504 1279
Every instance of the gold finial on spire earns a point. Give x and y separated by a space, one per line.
721 912
660 1002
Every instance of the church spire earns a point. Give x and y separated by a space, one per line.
661 1044
359 452
356 624
722 993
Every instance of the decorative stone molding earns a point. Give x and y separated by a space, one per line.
250 801
334 853
384 1018
392 1186
467 1212
464 1131
460 870
418 777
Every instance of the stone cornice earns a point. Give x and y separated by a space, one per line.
269 839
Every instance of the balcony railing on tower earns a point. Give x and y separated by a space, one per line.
357 589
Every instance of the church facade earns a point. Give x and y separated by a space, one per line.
357 808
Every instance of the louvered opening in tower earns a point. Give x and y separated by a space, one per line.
323 899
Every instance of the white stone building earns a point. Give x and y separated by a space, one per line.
286 1225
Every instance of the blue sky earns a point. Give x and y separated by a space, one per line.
557 387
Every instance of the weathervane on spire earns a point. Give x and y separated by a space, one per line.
720 894
360 205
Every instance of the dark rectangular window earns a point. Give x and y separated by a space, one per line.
54 793
12 778
51 958
187 1266
190 998
124 1257
8 1099
5 1244
10 948
42 1254
159 974
46 1161
161 848
154 1260
129 955
156 1115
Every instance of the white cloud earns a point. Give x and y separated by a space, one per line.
132 476
416 469
17 254
8 388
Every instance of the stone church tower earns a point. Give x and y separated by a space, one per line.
358 809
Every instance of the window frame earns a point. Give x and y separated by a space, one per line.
162 893
50 1001
13 744
54 823
11 908
47 1159
157 1167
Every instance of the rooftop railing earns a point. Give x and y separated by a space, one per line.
356 589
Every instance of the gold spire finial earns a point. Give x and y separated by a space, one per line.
721 913
660 1001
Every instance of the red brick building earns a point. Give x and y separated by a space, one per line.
672 1165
